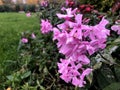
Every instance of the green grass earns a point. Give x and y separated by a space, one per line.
11 26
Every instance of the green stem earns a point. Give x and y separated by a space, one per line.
76 88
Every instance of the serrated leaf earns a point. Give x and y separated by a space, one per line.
113 86
97 65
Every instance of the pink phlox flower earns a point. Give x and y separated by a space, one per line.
116 28
76 40
45 26
56 33
70 14
63 65
67 45
85 73
100 29
67 2
79 81
98 44
85 20
63 9
24 40
66 26
69 71
83 59
33 36
78 27
61 38
44 3
28 14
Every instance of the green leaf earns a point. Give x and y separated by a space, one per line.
10 77
97 65
26 74
117 40
117 72
101 79
113 86
90 77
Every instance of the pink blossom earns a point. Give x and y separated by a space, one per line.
63 9
28 14
33 36
24 40
44 3
98 31
78 82
77 41
67 2
70 13
45 26
69 72
116 28
85 73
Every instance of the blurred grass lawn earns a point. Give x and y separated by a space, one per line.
11 26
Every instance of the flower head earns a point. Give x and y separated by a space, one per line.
28 14
44 3
33 36
45 26
116 28
24 40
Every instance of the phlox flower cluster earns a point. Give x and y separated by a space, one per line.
26 40
116 27
28 14
77 41
44 3
46 26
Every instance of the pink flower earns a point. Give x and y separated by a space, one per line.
116 28
45 26
79 81
76 41
28 14
63 9
70 13
69 72
44 3
24 40
67 2
85 73
33 36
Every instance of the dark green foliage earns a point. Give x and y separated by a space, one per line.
50 11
